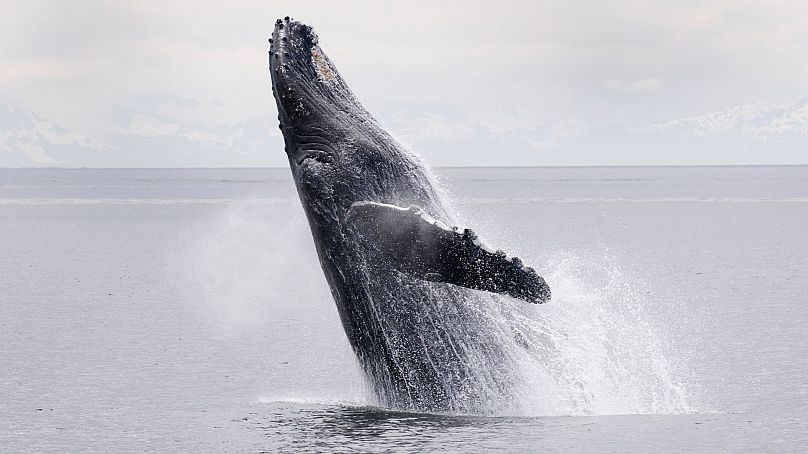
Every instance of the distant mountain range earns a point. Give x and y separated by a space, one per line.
756 122
741 134
28 140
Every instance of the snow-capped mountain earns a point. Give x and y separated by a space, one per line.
29 140
756 121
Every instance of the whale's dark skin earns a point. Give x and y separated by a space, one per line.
408 287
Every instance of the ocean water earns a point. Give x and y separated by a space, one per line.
185 311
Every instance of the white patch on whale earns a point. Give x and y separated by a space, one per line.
324 71
417 210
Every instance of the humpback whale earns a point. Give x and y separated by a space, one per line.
411 290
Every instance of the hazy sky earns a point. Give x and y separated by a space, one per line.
185 84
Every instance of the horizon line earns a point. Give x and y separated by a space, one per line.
432 167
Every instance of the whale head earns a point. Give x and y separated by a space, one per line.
315 106
337 151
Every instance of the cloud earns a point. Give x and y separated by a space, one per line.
482 137
192 75
224 137
50 69
431 127
502 122
636 86
149 126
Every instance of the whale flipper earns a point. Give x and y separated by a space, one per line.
414 243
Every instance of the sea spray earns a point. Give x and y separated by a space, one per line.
239 266
251 270
595 349
598 348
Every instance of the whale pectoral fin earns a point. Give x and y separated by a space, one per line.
414 243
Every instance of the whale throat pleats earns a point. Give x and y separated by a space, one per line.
414 243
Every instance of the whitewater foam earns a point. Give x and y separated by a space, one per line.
596 349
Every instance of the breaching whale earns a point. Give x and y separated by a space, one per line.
408 286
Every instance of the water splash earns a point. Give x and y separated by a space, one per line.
594 350
251 266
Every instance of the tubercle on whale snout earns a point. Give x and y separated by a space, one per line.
297 67
290 42
307 30
308 88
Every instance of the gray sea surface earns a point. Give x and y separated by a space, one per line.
185 311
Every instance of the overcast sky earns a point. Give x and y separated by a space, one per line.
185 84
